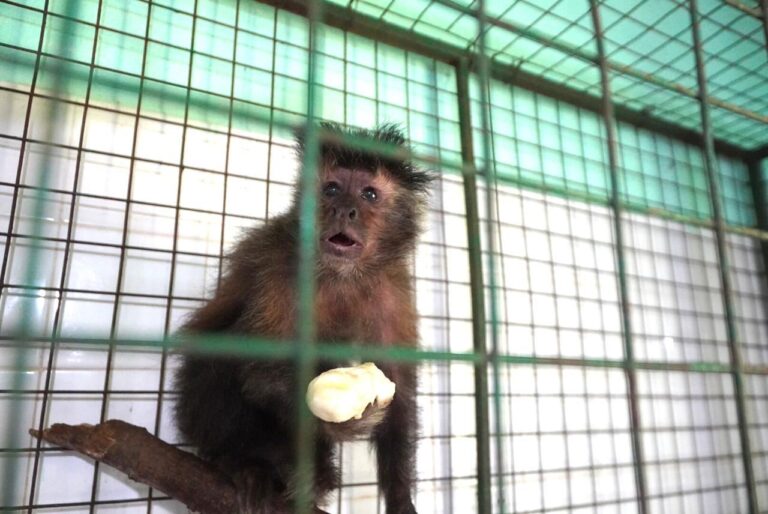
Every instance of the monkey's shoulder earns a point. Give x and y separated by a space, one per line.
276 236
270 244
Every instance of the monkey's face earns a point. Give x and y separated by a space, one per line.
352 203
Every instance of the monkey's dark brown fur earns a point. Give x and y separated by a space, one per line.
240 413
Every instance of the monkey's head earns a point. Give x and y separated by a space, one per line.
369 204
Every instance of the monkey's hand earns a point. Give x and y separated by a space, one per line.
343 394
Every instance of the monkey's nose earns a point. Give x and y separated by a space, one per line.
345 212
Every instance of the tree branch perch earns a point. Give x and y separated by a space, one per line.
151 461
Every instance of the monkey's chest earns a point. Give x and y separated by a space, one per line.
347 320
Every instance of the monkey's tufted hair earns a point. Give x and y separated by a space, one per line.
358 148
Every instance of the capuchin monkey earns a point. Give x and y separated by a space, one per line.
240 413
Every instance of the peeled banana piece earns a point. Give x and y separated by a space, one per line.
341 394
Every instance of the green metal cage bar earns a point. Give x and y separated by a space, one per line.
318 13
617 207
488 173
725 279
305 350
478 301
26 330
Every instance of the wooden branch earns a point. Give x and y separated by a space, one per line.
151 461
147 459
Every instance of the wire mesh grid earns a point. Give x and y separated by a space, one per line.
137 139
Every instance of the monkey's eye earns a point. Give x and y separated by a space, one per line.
369 194
331 189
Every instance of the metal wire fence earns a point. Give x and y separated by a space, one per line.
592 281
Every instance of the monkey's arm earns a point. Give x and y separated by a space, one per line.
395 441
395 437
255 275
220 314
225 402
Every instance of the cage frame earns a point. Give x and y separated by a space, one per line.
485 357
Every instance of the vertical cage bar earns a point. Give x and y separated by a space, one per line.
26 330
760 198
22 148
271 118
230 116
488 170
304 346
764 9
710 163
123 249
482 436
759 188
616 206
124 238
176 216
126 222
441 262
65 264
8 486
129 190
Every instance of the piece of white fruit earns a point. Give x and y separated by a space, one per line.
341 394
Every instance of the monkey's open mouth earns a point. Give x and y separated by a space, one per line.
342 245
341 239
